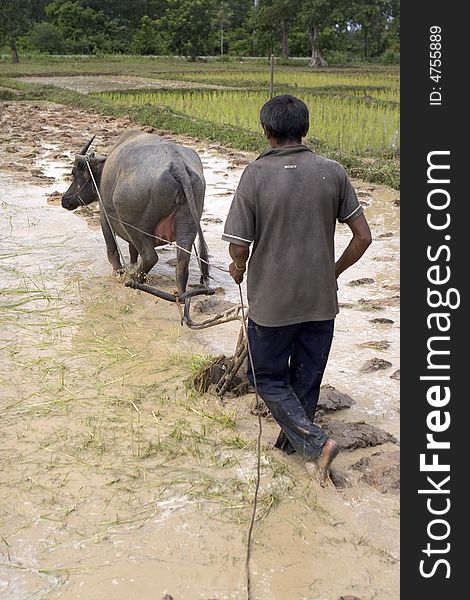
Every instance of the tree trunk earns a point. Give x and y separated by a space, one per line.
222 44
285 38
366 42
14 52
316 59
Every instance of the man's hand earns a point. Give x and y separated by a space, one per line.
239 255
237 272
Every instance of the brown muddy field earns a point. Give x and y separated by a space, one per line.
117 480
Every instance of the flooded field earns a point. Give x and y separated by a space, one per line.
117 479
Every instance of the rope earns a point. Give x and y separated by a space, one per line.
156 237
258 461
260 427
160 239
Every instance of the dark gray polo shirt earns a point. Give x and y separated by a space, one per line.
286 205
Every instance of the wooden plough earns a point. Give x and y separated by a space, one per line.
228 367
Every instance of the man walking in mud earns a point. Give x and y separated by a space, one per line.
286 207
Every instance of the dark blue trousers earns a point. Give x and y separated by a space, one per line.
289 362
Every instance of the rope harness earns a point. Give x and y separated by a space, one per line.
242 350
258 456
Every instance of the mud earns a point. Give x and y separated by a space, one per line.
351 436
332 399
117 479
381 470
361 281
375 364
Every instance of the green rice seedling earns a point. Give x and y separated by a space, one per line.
349 124
198 362
266 503
239 443
228 421
297 78
192 362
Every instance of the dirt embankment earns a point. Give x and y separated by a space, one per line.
119 480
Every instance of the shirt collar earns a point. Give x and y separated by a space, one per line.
284 151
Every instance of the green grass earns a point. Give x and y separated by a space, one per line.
347 124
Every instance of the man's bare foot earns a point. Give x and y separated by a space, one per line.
320 467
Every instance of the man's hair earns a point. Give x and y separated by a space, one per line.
285 118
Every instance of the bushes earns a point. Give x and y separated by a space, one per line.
46 38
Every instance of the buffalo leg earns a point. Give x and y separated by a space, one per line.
141 246
148 258
185 234
133 254
182 266
111 247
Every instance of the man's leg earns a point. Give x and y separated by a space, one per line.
271 348
310 351
308 362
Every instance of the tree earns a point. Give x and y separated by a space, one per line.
284 12
240 10
317 15
149 39
242 39
85 30
15 17
223 17
372 18
38 10
275 18
392 39
127 12
188 24
266 27
44 37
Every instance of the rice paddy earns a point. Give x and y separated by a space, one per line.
353 111
118 476
384 83
347 123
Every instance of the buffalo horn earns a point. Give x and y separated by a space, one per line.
83 151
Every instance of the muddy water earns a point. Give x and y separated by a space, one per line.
116 480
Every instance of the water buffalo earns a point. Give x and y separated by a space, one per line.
149 187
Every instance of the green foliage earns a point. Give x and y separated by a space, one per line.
15 16
45 37
298 43
338 29
85 30
14 19
150 39
390 57
188 24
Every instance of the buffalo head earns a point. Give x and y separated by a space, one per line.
82 191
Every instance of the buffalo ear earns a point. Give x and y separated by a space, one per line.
83 151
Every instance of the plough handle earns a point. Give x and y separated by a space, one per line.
165 295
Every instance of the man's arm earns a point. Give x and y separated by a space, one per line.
239 255
359 243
